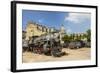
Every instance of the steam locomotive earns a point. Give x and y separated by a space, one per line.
47 45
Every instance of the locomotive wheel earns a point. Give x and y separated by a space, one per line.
56 55
47 53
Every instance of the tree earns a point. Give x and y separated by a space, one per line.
66 38
88 32
84 36
76 37
80 36
72 36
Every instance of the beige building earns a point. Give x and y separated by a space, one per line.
34 29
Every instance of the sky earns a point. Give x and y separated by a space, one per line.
74 22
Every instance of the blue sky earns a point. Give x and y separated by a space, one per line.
73 22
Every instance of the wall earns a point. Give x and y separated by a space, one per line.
5 36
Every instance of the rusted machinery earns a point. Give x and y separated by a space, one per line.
46 46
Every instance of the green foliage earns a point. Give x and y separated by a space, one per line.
88 35
66 38
75 37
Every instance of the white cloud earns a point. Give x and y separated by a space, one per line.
78 17
40 20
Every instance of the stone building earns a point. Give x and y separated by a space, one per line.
34 29
37 30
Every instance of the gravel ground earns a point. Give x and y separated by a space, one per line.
71 54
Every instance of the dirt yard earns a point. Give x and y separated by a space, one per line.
71 54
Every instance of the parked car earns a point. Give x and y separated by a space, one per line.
82 43
75 44
78 44
72 45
